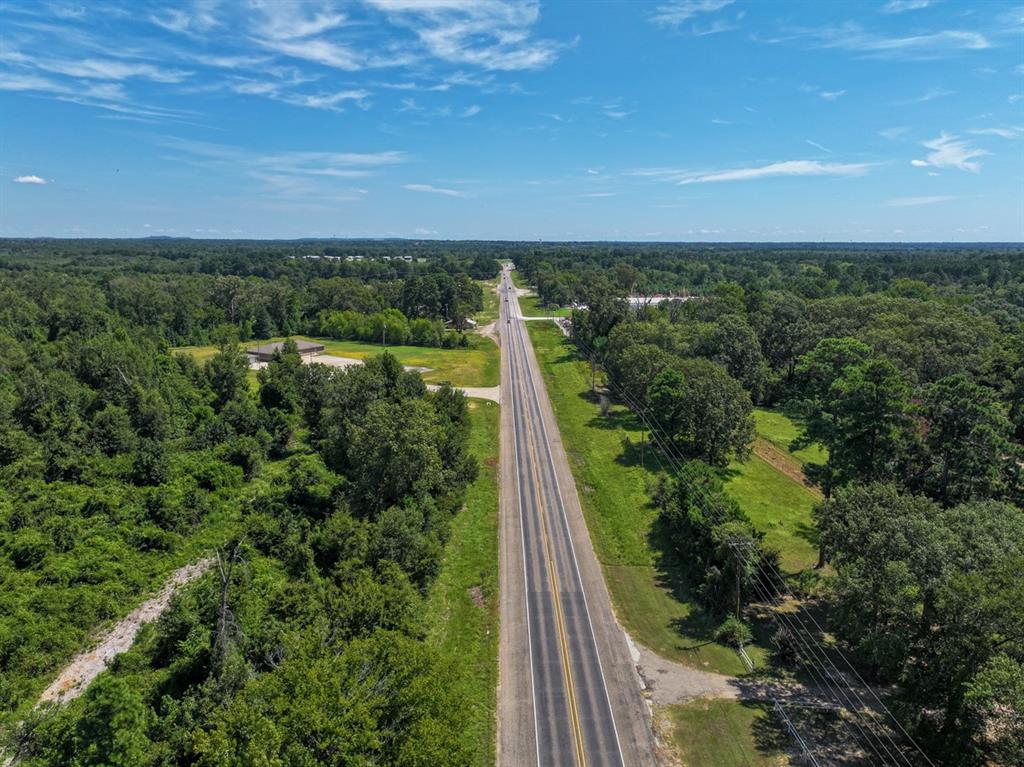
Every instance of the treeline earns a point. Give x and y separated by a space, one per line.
908 368
183 292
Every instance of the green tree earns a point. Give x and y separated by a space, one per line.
966 452
227 370
112 731
704 410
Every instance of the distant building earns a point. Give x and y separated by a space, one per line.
265 352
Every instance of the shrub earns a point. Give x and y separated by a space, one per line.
733 632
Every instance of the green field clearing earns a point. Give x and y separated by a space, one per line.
726 733
530 306
779 507
479 364
781 430
647 590
462 609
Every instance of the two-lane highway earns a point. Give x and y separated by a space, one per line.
569 694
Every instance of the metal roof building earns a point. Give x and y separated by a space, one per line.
265 352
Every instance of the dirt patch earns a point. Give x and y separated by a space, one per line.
78 675
490 462
490 330
782 461
477 595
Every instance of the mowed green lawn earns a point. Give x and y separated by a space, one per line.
778 506
781 430
476 365
647 591
462 608
729 733
531 307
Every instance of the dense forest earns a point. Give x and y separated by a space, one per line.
327 494
907 367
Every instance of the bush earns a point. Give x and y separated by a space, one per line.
733 632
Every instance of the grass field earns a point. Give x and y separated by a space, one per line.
462 609
781 430
729 734
476 365
779 507
647 591
490 311
530 306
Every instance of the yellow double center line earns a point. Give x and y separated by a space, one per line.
574 714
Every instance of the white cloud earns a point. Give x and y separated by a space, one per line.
853 37
1007 133
930 95
950 152
30 180
109 69
831 95
816 145
674 13
893 133
493 34
900 6
434 190
908 202
787 168
471 111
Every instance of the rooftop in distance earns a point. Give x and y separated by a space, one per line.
265 352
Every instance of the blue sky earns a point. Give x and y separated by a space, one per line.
514 119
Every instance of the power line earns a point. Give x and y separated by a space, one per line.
772 581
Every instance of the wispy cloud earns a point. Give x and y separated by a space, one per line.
1007 133
853 37
901 6
493 35
912 202
308 176
929 95
894 133
37 180
948 151
677 12
471 111
816 145
431 189
827 95
773 170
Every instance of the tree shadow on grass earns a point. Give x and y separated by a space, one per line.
671 574
809 533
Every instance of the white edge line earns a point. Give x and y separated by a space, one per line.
572 549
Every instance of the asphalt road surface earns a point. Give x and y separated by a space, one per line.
569 693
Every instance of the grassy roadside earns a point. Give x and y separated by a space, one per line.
732 734
490 311
479 364
462 609
648 594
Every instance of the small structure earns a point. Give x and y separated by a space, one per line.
265 352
